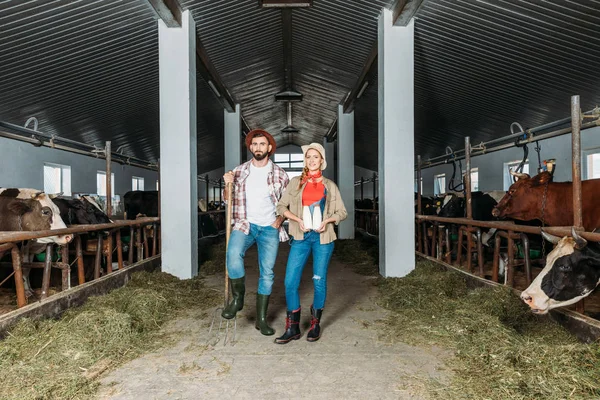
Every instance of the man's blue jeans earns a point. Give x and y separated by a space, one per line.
267 241
299 253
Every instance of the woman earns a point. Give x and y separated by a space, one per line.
312 203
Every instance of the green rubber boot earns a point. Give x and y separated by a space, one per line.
238 289
262 303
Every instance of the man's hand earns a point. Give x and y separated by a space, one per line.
278 222
228 177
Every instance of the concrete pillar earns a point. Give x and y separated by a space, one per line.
395 65
345 139
329 172
178 159
233 138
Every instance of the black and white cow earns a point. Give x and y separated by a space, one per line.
571 273
81 211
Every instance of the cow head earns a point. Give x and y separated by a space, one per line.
571 273
452 207
522 201
35 211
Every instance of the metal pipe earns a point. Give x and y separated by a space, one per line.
419 206
486 150
374 188
108 155
362 188
19 285
18 236
509 226
47 269
467 185
576 160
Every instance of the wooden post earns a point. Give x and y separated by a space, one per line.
109 250
131 245
119 250
510 269
362 188
47 270
146 249
108 152
80 267
154 241
576 169
20 287
138 242
66 272
98 261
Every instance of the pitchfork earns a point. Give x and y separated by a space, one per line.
228 190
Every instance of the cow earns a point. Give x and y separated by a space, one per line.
550 202
31 210
141 202
429 205
482 205
81 211
571 273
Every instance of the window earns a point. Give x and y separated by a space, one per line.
101 183
137 183
295 160
474 179
421 185
508 178
57 179
591 160
439 184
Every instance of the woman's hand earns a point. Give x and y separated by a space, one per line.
301 224
324 225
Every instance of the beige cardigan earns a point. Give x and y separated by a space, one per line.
334 207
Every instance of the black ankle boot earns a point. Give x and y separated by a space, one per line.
262 303
292 327
315 329
238 289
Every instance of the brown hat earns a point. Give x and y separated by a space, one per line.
264 133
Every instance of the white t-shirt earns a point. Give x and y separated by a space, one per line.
260 209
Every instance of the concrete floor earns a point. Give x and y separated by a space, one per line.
349 362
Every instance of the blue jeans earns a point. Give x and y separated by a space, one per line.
299 253
267 241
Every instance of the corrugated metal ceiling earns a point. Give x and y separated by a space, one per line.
89 70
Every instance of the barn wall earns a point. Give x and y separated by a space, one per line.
22 165
491 165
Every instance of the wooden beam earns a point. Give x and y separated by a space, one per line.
169 11
348 103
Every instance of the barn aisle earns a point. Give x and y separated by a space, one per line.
348 362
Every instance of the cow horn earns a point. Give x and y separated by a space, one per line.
580 242
35 195
551 238
53 196
518 174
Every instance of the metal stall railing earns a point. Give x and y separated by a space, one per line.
144 243
508 230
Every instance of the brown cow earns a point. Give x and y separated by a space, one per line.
524 201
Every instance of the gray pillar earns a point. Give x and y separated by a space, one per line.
329 172
233 137
178 160
395 65
345 139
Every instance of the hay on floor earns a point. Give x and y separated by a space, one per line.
502 350
60 359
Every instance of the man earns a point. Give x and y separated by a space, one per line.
257 187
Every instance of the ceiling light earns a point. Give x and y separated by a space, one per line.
285 3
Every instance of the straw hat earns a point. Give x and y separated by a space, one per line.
317 147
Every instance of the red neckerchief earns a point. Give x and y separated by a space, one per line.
314 176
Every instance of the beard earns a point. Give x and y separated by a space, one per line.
260 156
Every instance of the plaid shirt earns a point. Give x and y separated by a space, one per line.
277 181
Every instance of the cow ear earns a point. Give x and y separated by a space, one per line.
19 207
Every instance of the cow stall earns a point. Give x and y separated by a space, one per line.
577 226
